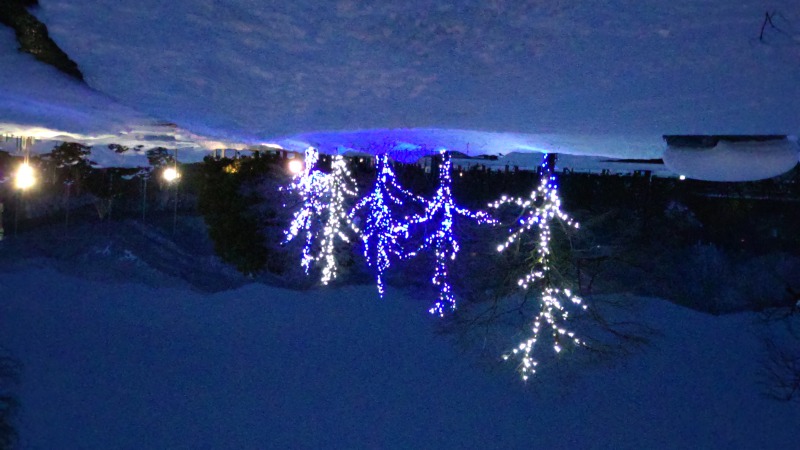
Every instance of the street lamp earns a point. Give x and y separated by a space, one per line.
25 177
171 174
295 166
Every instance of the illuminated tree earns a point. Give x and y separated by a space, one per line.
312 187
380 233
443 210
539 210
340 186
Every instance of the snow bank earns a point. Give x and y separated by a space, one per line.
411 144
733 161
609 81
266 70
127 366
37 100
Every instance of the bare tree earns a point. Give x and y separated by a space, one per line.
781 340
9 376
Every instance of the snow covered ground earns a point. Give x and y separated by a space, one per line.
159 365
38 101
586 78
271 69
110 365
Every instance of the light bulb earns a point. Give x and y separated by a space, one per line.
295 166
25 177
171 174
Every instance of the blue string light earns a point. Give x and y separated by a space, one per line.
381 224
540 209
442 209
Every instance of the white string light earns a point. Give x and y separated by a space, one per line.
340 186
312 187
542 207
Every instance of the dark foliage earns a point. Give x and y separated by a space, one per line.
70 161
108 186
117 148
159 156
33 37
714 247
71 189
687 241
227 206
69 165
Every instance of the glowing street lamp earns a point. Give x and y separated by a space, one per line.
25 177
295 166
171 174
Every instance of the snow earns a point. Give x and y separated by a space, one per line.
411 144
38 101
111 365
125 365
733 161
502 76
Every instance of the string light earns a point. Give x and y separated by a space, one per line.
312 187
340 186
540 209
442 208
381 226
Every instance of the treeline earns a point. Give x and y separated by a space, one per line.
714 247
638 233
69 187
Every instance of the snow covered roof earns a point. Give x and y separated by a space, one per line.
733 161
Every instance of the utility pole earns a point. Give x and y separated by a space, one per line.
175 186
144 195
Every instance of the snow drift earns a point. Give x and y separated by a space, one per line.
733 161
111 365
267 70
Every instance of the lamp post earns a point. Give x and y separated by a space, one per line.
145 176
295 166
171 175
24 178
